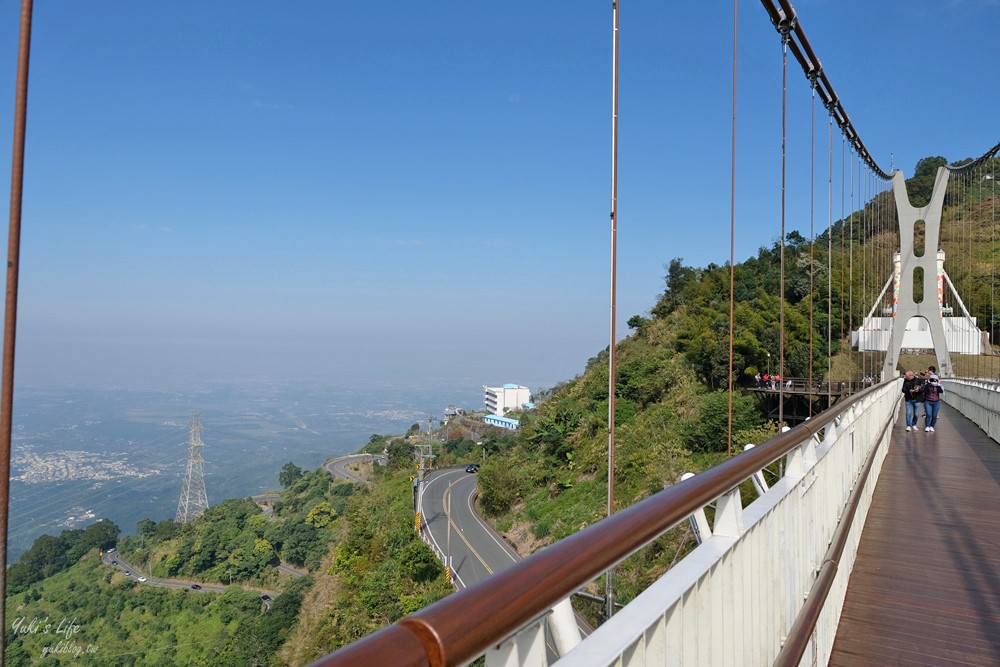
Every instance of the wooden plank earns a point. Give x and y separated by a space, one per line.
925 588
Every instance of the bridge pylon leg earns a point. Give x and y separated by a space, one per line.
929 308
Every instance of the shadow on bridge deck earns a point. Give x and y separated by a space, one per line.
925 589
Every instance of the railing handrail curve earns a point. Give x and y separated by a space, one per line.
514 597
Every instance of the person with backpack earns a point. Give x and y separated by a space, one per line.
932 402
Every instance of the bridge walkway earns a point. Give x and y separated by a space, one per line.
925 589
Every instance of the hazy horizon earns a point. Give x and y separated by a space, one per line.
405 191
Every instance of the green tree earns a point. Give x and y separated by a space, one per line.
707 431
145 527
500 487
290 473
920 186
321 515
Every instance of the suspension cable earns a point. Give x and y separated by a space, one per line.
10 308
850 278
784 14
843 236
829 276
732 239
781 274
812 229
612 355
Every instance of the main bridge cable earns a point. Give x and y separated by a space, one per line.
783 14
975 163
785 21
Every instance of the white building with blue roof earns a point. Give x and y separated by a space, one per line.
502 422
499 400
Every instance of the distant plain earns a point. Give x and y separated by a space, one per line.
79 454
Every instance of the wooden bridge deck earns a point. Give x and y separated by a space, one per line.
925 589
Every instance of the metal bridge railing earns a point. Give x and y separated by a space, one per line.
731 601
977 399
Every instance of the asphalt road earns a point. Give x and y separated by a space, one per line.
112 559
338 466
476 550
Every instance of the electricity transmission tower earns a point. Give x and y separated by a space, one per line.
194 499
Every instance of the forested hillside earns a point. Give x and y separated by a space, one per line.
670 393
367 567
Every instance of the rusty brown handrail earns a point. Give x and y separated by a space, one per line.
801 631
444 634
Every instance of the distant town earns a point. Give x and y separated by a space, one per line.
65 465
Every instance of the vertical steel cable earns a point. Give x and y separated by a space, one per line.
955 249
978 180
829 275
781 275
973 264
960 241
870 243
732 237
850 278
812 231
882 245
843 237
612 371
993 264
10 309
970 267
967 254
865 251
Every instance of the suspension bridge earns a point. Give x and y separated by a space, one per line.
867 542
864 544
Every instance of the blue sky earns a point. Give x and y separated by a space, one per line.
401 191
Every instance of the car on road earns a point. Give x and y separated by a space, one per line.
114 562
195 587
142 579
472 467
265 598
127 573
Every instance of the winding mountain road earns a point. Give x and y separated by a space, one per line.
338 466
477 551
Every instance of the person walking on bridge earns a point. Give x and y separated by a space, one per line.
932 402
913 392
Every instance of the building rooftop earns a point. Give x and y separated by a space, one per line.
504 420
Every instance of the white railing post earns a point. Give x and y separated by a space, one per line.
698 520
524 649
563 627
729 515
759 483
